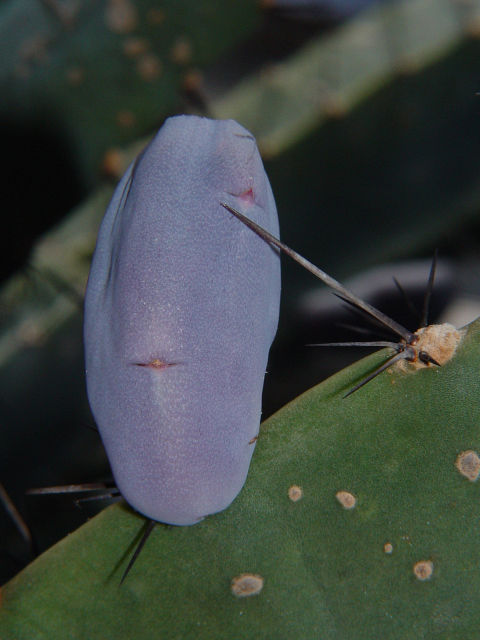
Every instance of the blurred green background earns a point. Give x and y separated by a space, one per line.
369 125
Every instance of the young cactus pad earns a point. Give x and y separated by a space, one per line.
181 308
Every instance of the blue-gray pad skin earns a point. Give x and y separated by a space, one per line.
181 308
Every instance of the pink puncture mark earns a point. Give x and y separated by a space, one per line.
247 197
156 364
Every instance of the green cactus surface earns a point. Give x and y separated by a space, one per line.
330 75
359 519
107 72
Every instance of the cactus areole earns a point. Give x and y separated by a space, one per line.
181 308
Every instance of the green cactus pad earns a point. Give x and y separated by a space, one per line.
108 72
359 519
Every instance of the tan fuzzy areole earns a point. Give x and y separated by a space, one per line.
468 464
295 493
346 499
247 584
423 570
440 341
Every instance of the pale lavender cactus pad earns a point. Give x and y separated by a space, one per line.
177 280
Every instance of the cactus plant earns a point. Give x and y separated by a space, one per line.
395 173
178 323
359 519
108 72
